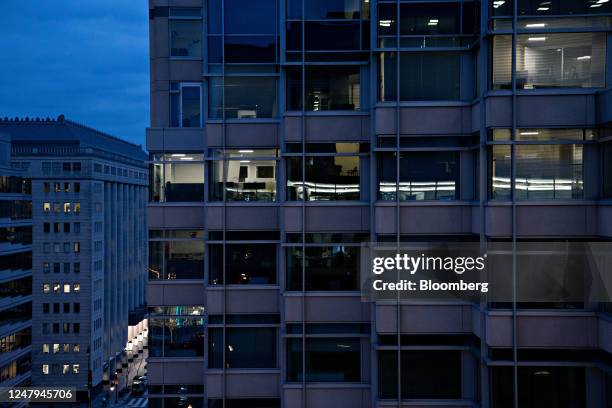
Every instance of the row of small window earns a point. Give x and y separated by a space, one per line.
57 266
58 208
15 368
116 171
549 7
57 167
54 328
56 348
56 287
57 247
16 235
16 209
62 187
16 287
65 369
57 227
46 308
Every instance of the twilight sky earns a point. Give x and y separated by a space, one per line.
87 59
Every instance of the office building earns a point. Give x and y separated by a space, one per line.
15 272
88 251
287 134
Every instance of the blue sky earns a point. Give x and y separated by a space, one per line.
87 59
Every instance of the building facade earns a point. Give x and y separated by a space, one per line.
88 249
15 272
287 134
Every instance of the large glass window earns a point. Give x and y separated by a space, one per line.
543 171
559 7
326 177
418 367
176 337
246 347
551 387
245 97
185 105
423 176
171 259
185 38
327 360
424 76
327 268
176 177
550 60
245 264
327 88
249 174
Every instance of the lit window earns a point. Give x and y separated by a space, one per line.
57 207
57 287
76 348
67 187
66 207
66 369
46 287
45 369
75 368
66 348
58 187
45 348
76 287
77 207
66 288
77 247
47 208
56 348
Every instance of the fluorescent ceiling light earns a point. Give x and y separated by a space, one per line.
432 22
498 3
529 133
245 161
595 5
584 57
535 25
385 23
178 155
186 158
246 151
602 1
536 39
543 8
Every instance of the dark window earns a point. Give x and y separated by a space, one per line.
427 19
176 260
46 307
550 387
242 49
185 38
253 264
418 367
66 307
345 36
327 88
76 307
245 97
179 337
47 227
607 173
327 360
332 268
423 176
56 308
332 9
253 347
250 17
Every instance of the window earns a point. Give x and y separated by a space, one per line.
66 247
46 308
46 288
45 369
607 170
176 337
66 288
76 307
77 187
76 348
76 368
77 207
76 267
45 348
328 268
46 267
65 167
177 177
66 207
46 187
66 267
245 97
66 227
56 267
327 360
65 348
424 76
550 60
76 287
46 227
327 88
66 328
543 172
252 347
47 207
185 38
76 247
417 367
185 105
250 175
245 264
66 187
559 7
553 387
180 259
423 176
66 308
76 166
327 178
76 328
